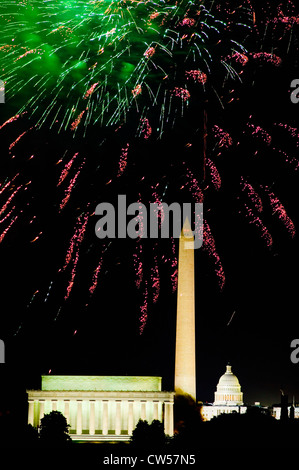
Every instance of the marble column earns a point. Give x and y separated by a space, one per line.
92 417
130 417
31 412
67 410
156 410
143 410
79 417
54 405
168 418
105 418
41 409
118 417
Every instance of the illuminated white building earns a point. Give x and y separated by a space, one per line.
228 397
276 412
228 391
102 408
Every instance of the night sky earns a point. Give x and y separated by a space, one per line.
246 286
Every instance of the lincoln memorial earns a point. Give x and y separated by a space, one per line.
102 408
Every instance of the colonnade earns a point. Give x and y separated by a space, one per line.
103 416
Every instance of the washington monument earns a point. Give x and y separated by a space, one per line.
185 367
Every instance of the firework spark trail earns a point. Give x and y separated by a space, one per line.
257 221
77 238
149 52
7 215
223 137
294 134
155 280
238 57
49 291
174 267
95 277
259 133
27 307
138 264
12 119
290 160
66 169
267 57
293 131
139 219
36 238
209 246
32 51
157 200
230 320
90 90
146 129
280 211
197 76
32 298
68 190
137 90
252 194
14 143
123 161
73 275
182 93
143 309
6 185
75 244
193 186
77 121
288 19
3 234
4 207
215 176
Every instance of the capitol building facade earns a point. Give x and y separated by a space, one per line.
228 397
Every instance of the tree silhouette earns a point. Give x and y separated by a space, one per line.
187 421
148 435
54 429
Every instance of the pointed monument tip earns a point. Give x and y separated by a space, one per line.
186 230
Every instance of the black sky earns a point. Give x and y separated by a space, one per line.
250 323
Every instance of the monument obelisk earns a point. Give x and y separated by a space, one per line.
185 370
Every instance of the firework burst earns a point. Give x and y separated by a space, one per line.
121 81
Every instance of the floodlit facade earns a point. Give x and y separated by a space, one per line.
276 412
228 391
185 367
228 397
102 408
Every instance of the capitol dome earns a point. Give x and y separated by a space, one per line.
228 389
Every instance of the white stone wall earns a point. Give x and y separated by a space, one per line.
102 415
208 412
